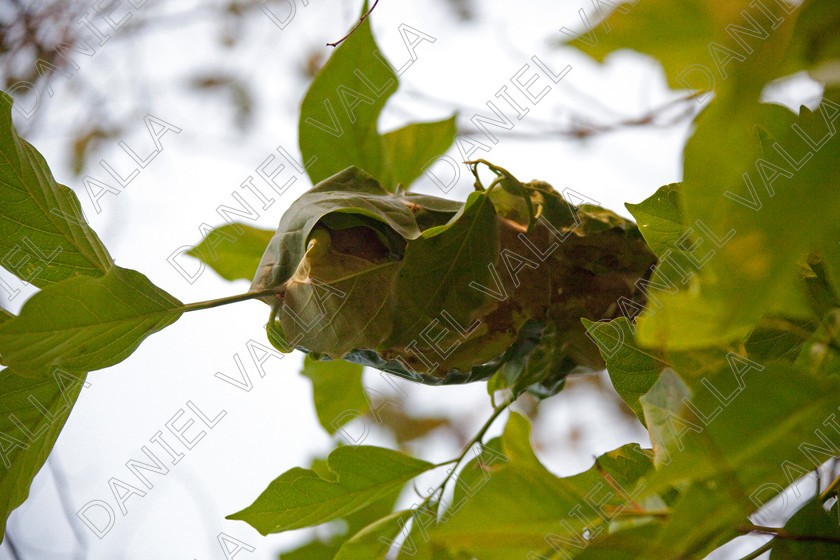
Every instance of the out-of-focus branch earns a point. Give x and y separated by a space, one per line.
666 115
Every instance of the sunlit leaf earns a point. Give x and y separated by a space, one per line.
740 184
32 413
42 230
85 323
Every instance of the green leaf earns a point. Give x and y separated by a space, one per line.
313 550
702 518
810 521
632 543
337 391
301 498
85 323
633 370
355 522
517 507
671 33
716 439
32 413
661 223
815 45
440 265
411 148
5 316
42 230
339 114
340 110
237 255
778 339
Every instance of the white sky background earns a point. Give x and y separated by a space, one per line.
272 428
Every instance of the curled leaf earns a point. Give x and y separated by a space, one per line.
442 292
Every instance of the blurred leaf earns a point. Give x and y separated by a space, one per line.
86 142
238 92
336 390
411 148
703 517
816 46
633 370
693 40
740 185
313 550
236 259
404 426
819 287
810 521
672 33
32 413
729 451
300 498
85 323
721 430
633 543
43 236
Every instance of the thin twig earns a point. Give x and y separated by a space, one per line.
355 27
477 439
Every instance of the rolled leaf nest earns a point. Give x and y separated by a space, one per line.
439 291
